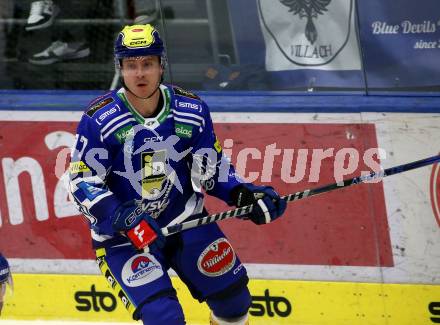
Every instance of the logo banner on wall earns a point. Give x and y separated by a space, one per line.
300 43
314 34
37 220
400 42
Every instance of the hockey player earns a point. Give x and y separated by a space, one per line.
5 279
144 156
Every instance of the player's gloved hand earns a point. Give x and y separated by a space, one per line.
138 226
269 206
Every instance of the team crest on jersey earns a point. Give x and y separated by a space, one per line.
217 259
299 32
92 110
141 269
435 191
154 178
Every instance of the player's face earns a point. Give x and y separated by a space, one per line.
141 74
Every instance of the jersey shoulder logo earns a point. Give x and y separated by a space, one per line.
97 105
188 105
185 93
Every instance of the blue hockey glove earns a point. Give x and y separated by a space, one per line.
138 226
268 204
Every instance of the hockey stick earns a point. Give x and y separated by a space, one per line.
166 231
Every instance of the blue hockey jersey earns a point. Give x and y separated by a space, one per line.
164 163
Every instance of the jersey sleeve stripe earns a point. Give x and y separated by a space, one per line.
114 121
117 126
194 116
184 120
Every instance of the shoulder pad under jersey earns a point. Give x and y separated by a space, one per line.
189 113
104 108
98 103
191 104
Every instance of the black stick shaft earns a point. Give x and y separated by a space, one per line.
166 231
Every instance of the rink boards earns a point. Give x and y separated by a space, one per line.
353 256
88 298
